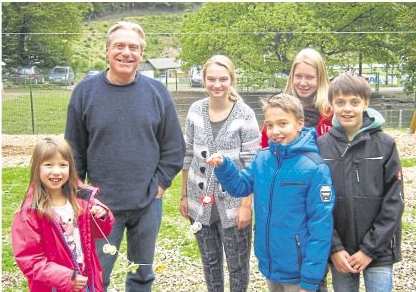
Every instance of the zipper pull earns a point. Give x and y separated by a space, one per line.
346 148
356 164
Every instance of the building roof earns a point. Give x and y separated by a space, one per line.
164 63
146 66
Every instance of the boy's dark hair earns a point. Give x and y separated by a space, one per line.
347 83
286 102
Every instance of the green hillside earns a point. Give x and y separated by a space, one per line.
161 30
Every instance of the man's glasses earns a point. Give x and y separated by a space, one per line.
122 47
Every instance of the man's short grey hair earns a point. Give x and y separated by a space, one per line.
131 26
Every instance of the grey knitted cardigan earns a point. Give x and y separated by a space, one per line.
238 138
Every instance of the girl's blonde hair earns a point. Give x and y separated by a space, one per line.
225 62
44 150
313 58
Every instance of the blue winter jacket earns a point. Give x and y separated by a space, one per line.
293 202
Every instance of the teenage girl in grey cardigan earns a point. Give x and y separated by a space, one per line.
220 122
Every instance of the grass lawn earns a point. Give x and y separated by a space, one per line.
39 110
173 237
177 251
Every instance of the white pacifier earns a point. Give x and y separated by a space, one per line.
196 227
108 248
207 200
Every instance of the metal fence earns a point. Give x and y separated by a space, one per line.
41 109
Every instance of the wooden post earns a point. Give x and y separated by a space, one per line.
413 123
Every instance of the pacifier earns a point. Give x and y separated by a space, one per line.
132 268
108 248
207 200
196 227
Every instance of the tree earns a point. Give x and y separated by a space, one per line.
364 33
41 33
249 33
407 42
100 9
264 37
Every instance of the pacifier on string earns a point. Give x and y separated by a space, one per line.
112 249
132 267
207 200
195 227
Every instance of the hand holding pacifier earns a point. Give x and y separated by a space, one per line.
215 160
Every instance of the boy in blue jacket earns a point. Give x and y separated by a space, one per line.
367 177
293 198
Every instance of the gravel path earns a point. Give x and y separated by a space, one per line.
184 274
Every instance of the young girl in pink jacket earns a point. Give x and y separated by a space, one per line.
53 232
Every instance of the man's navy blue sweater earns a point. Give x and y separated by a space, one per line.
127 139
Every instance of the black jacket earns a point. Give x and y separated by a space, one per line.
367 178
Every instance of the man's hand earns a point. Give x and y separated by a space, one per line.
160 192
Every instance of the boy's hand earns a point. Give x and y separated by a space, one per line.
215 160
341 262
80 282
359 261
98 212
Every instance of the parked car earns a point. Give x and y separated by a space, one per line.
196 77
26 75
62 75
92 72
5 74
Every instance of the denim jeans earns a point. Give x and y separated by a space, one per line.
376 279
142 228
212 241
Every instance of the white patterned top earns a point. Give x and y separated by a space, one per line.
237 139
71 231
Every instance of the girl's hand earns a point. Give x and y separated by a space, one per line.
244 217
98 212
183 206
215 160
80 282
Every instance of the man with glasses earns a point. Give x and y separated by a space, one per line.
127 141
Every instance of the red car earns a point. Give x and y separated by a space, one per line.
24 75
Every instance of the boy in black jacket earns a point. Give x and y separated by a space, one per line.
367 177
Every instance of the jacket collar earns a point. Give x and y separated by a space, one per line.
306 142
372 120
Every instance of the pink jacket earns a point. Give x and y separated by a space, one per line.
42 254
